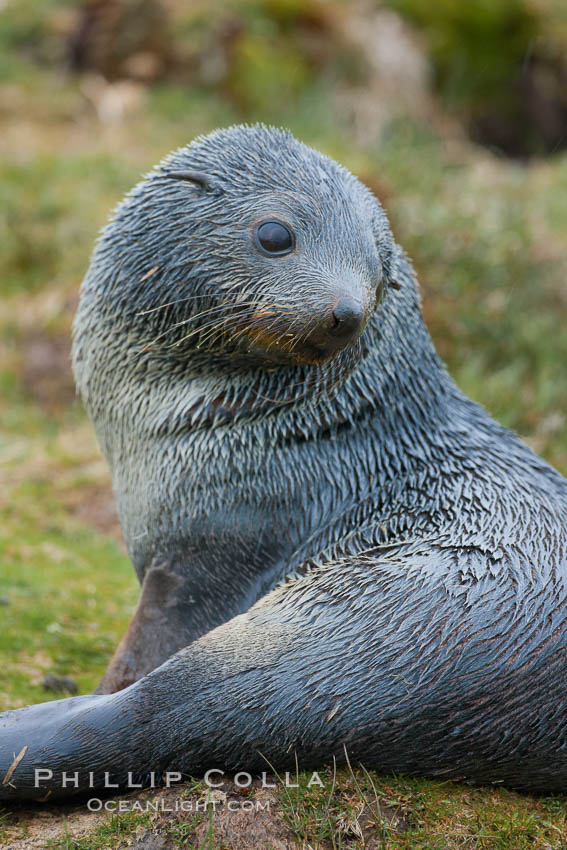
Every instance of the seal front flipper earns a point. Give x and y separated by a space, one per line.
42 745
162 624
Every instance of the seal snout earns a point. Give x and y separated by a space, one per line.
336 327
348 318
321 332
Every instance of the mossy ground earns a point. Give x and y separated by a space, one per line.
489 240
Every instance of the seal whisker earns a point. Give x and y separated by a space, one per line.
218 328
254 320
219 308
215 324
242 330
170 304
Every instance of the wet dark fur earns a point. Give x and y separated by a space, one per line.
425 623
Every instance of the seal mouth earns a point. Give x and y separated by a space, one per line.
307 340
306 357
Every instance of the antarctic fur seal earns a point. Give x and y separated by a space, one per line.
336 547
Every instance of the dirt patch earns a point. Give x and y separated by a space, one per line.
246 822
32 828
46 370
159 819
95 506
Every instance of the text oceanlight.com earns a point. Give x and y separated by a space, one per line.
95 804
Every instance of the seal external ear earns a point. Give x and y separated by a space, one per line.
199 178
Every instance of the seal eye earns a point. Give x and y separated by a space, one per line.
274 237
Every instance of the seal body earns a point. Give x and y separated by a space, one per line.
337 549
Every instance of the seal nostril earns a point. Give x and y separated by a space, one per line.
348 316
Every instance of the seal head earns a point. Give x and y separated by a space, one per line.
264 250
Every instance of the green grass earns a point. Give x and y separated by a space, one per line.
416 814
108 836
487 241
63 616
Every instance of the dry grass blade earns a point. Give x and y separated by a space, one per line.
12 769
296 819
379 820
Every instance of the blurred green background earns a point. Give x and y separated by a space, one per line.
454 113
